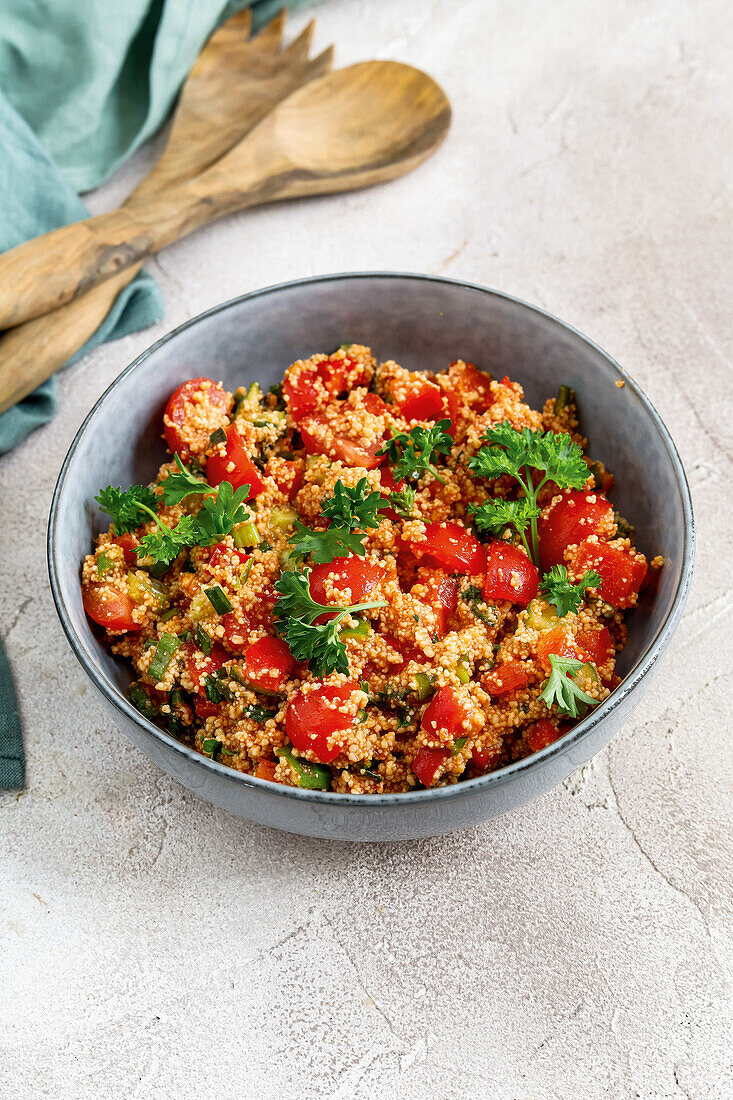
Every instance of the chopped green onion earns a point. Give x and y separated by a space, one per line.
163 656
311 777
258 714
245 534
362 630
218 599
219 436
458 745
176 697
282 519
424 686
140 699
462 670
216 690
203 640
104 562
168 614
242 577
264 546
565 397
361 716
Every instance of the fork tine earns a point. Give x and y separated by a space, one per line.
322 64
231 40
300 47
269 38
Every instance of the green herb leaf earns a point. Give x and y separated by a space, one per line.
219 436
128 508
493 516
104 563
411 454
562 691
177 486
211 747
325 546
203 640
258 714
403 502
561 592
218 515
353 507
165 544
295 615
473 598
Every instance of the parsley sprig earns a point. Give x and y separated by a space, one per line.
561 592
317 643
562 691
177 486
350 510
516 453
219 514
164 544
403 502
127 508
411 454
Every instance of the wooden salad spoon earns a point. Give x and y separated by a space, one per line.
234 83
356 127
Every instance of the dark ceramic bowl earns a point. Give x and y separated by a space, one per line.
422 323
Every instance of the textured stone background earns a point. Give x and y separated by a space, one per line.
153 946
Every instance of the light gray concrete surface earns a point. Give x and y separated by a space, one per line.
154 947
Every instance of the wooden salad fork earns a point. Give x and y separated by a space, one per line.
353 128
234 83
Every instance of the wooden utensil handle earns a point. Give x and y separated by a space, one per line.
30 353
49 271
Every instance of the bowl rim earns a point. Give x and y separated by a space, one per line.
462 788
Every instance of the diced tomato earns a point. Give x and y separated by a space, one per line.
128 542
543 733
315 714
237 627
506 677
319 438
176 410
475 386
596 644
336 374
359 575
561 642
448 711
510 575
288 476
109 607
205 708
266 770
427 764
451 546
442 595
621 570
267 664
199 666
575 516
243 470
374 404
422 400
484 758
406 651
222 554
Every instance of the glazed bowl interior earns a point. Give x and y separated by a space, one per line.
423 323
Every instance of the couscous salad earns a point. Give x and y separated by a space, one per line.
367 579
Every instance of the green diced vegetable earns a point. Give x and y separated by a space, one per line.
169 614
462 670
218 599
541 615
458 745
176 697
104 563
424 686
361 716
200 607
362 630
203 640
565 397
140 699
219 436
245 535
311 777
282 519
163 655
216 689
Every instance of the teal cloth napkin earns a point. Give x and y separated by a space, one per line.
82 84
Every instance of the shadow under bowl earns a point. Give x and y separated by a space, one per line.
423 323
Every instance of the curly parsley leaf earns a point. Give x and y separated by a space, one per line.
177 486
317 643
561 592
324 546
562 691
411 454
164 544
512 452
128 508
403 502
353 507
219 514
494 515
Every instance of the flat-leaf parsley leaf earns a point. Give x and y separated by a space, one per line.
562 691
561 592
410 455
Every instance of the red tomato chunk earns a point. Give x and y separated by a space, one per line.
575 516
510 575
316 714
